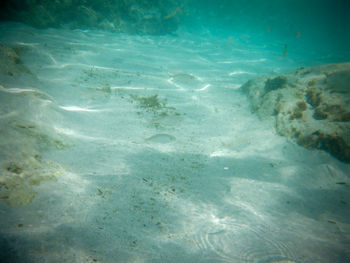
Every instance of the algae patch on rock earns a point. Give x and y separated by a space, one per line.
310 105
18 178
24 141
23 166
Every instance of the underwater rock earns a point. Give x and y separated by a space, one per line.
22 165
24 142
10 62
310 105
130 16
18 178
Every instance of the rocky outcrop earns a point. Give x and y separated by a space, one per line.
310 105
130 16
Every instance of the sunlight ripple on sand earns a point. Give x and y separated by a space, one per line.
76 108
16 90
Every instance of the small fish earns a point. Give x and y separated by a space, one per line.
100 193
161 138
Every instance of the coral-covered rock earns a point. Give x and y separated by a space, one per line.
310 106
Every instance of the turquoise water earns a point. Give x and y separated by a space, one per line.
126 146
